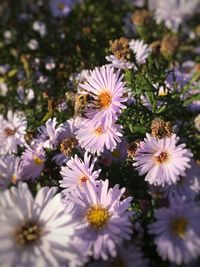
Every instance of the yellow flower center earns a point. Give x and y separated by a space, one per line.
9 132
105 99
14 178
99 130
83 179
163 157
162 92
97 216
27 233
116 153
61 6
179 226
37 160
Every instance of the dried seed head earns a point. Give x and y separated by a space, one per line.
141 17
197 30
120 48
169 45
132 148
161 128
197 68
155 47
68 145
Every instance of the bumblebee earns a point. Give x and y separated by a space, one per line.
82 101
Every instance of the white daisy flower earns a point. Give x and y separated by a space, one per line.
12 132
140 49
10 171
36 232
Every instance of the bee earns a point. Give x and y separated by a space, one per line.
80 102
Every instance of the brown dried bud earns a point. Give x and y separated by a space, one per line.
132 148
45 95
197 68
120 48
51 105
155 47
28 136
197 30
68 145
141 17
161 128
169 45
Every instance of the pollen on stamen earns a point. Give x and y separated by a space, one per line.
179 227
105 99
83 179
163 157
97 216
37 160
9 132
99 130
28 233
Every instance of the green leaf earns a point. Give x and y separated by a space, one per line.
161 109
192 98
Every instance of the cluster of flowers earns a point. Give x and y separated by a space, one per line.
86 220
88 214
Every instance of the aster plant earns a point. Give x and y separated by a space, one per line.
99 133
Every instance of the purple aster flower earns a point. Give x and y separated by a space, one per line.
98 138
49 133
33 159
173 12
118 154
177 232
108 91
61 8
128 256
188 186
67 142
36 232
119 63
103 218
10 171
140 49
162 160
78 172
12 132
